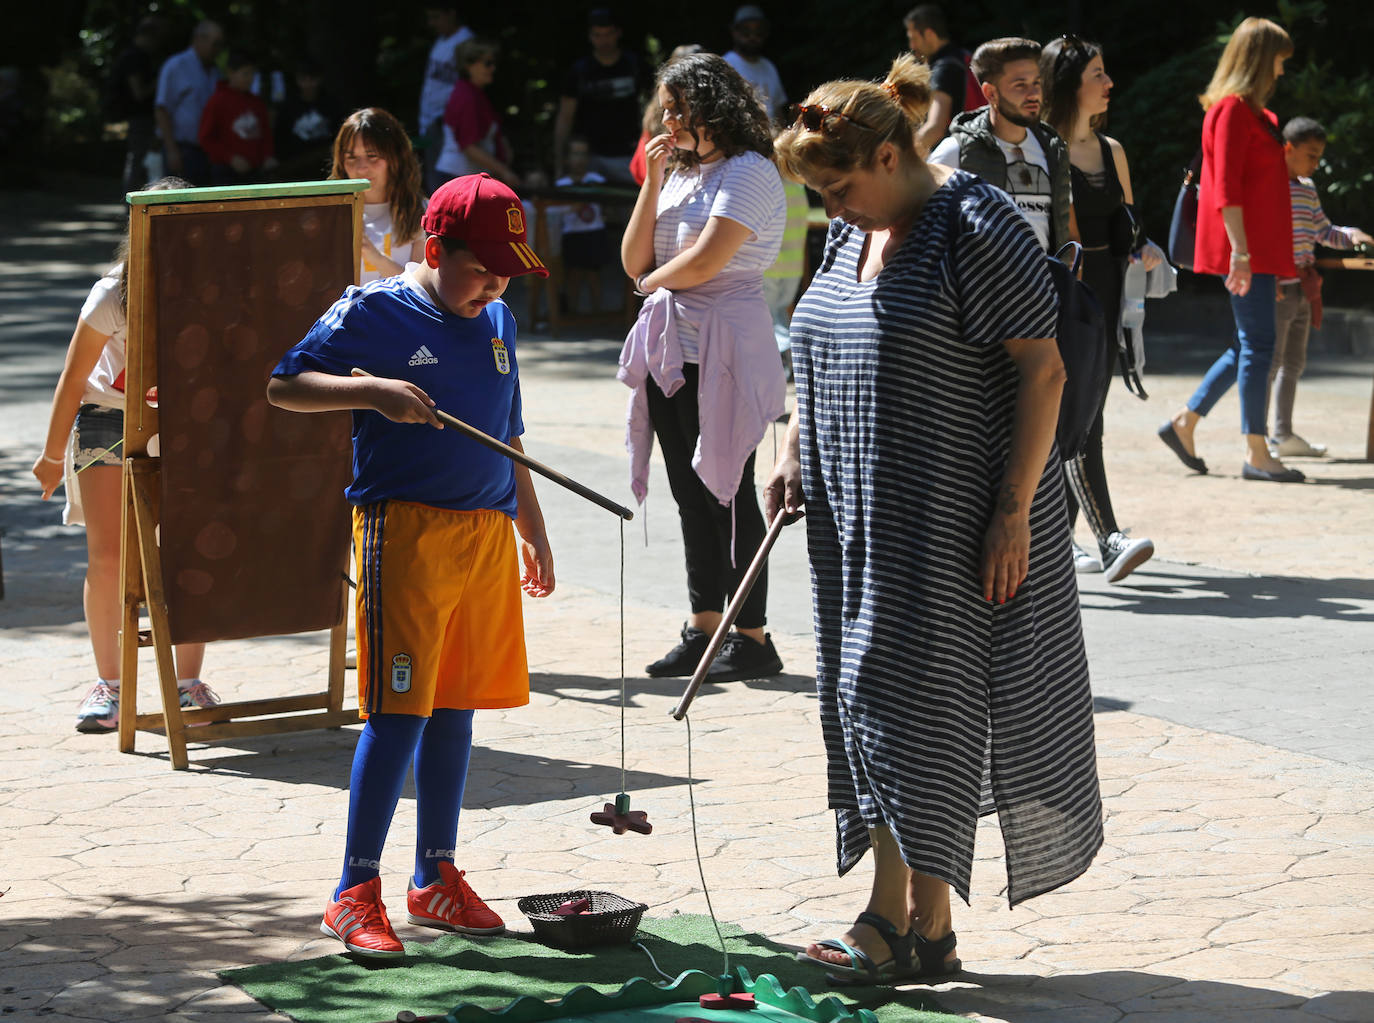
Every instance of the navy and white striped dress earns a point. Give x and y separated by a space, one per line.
929 695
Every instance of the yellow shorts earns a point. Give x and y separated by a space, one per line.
439 616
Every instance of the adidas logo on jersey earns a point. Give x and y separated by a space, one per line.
424 357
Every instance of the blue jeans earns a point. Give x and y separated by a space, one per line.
1247 360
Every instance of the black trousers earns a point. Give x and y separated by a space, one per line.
1086 475
712 573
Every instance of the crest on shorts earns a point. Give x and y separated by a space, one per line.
515 219
400 673
502 357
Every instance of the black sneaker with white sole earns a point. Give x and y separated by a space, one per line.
682 660
743 658
1122 555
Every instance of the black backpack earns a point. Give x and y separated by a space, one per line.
1080 331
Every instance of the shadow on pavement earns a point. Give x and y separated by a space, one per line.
1360 483
605 691
1104 995
1179 592
497 778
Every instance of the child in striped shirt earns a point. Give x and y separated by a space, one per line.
1299 299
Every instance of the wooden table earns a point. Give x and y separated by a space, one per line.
1356 263
543 198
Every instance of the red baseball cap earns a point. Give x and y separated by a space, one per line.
489 218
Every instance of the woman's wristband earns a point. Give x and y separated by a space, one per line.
52 461
639 283
1241 257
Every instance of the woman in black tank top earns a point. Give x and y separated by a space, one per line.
1077 92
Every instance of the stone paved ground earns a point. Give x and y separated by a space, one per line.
1234 729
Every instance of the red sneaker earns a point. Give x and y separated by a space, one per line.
359 920
450 904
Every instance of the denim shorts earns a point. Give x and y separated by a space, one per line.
99 435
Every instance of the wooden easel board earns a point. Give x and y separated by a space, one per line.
250 531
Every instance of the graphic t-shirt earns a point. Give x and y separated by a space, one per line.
378 229
305 126
441 74
585 216
392 328
607 97
104 313
1028 178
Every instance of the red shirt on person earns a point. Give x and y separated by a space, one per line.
470 115
235 123
1243 165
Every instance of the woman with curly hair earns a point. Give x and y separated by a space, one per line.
701 359
373 144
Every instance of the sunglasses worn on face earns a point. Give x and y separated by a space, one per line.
815 118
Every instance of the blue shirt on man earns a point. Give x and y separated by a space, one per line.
184 86
392 328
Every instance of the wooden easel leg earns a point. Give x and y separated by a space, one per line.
338 651
1369 439
128 631
143 478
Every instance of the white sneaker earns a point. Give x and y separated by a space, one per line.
1084 562
99 710
1287 447
1122 555
198 696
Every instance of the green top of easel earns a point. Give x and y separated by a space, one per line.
342 186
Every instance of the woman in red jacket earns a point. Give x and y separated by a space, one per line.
1245 235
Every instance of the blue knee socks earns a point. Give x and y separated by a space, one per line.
384 751
380 760
441 772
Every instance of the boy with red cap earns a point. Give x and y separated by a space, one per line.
440 632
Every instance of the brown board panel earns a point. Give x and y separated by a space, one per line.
254 528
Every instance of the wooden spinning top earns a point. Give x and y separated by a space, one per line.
620 818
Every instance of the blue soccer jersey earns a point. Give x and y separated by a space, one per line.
392 328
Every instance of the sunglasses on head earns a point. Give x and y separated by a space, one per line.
815 118
1071 48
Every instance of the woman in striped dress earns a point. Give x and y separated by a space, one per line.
950 662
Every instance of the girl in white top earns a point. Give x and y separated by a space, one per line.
373 144
85 434
710 218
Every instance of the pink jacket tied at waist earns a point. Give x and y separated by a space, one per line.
741 388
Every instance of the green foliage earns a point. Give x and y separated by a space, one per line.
1159 56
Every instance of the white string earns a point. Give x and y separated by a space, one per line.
645 948
622 655
696 846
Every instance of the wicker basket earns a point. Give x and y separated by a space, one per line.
611 921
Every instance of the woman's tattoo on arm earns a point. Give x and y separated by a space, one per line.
1007 502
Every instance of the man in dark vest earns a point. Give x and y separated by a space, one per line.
1007 145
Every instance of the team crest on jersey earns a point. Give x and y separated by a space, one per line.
498 351
400 673
515 220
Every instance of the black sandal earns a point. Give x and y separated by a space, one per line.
864 970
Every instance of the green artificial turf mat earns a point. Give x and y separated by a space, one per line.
435 976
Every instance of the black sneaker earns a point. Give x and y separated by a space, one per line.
682 660
1122 555
743 658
